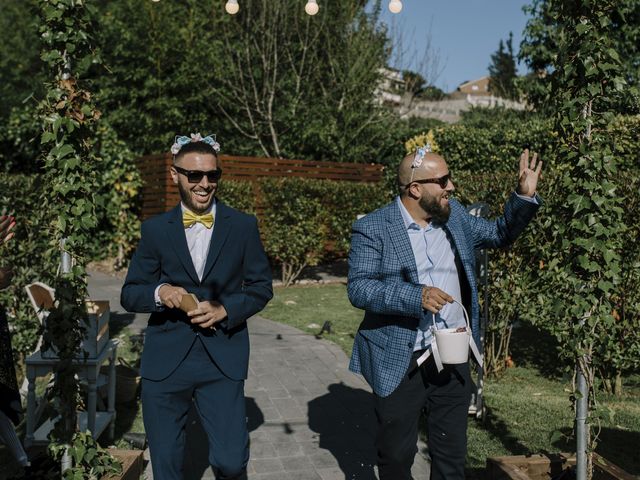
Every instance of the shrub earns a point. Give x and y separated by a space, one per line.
29 254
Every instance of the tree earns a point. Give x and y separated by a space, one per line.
502 71
21 80
69 120
543 33
269 81
585 252
297 85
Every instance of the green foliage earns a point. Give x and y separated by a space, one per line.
584 249
312 96
69 123
492 140
20 140
502 71
90 460
546 32
28 254
116 199
161 60
302 216
295 234
20 68
238 194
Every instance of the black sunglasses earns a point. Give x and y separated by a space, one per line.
195 176
442 181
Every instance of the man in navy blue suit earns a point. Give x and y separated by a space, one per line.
206 248
411 264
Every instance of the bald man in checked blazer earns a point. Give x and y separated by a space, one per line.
409 262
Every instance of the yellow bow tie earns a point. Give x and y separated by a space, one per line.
189 218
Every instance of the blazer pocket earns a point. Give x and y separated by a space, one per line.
379 337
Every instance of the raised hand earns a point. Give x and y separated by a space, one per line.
529 174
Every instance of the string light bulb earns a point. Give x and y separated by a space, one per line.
311 7
232 7
155 1
395 6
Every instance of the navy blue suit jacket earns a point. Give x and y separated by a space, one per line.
383 281
236 274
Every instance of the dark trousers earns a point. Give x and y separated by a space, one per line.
445 398
220 404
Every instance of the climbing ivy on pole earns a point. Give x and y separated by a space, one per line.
585 253
69 120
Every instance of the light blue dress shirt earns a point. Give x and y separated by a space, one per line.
436 265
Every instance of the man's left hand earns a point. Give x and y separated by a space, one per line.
529 174
208 314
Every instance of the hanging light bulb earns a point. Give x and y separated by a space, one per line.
311 7
156 1
232 7
395 6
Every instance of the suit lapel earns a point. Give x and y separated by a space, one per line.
456 234
401 244
221 229
179 242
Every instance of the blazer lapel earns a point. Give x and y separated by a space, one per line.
221 229
179 242
454 229
401 244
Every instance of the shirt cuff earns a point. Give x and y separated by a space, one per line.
156 297
528 199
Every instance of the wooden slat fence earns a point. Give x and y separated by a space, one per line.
159 194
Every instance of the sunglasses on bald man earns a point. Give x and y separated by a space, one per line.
442 181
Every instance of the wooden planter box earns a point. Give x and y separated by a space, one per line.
132 464
544 467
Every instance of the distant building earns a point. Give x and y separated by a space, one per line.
478 87
391 86
474 93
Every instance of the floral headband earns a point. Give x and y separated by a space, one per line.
182 140
418 157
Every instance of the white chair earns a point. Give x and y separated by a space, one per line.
43 299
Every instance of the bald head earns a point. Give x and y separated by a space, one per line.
431 163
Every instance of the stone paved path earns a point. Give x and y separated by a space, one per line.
308 416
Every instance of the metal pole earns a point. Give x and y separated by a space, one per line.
66 462
582 406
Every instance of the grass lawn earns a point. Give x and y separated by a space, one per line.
524 407
308 307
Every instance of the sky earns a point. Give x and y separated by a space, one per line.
463 32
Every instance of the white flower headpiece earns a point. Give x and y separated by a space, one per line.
418 157
182 140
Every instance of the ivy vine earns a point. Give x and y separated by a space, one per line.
69 121
585 252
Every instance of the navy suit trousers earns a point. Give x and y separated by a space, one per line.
220 404
445 399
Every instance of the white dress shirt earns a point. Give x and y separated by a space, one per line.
198 242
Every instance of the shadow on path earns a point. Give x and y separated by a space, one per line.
196 456
345 421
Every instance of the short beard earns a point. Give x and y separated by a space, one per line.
185 196
439 214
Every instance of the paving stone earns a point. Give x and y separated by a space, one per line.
309 417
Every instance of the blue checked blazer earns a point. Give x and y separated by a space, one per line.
383 281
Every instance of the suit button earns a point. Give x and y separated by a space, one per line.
410 345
